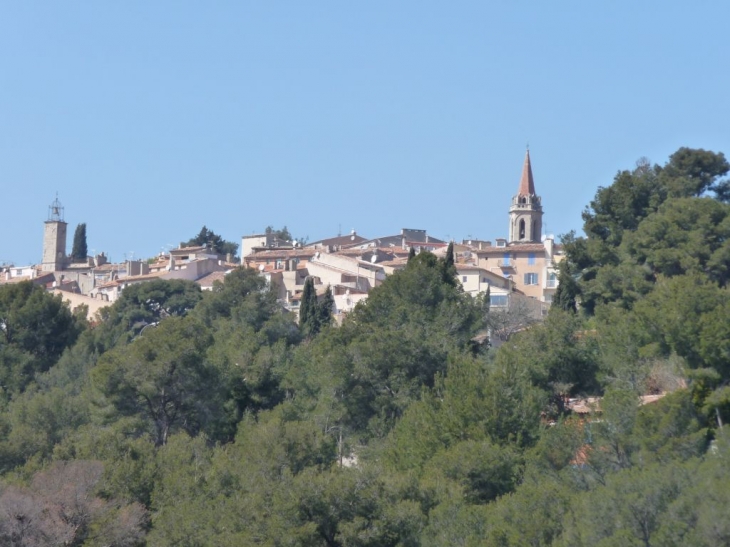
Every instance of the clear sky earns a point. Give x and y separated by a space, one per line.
151 119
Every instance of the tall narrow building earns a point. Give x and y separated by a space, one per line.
525 213
54 239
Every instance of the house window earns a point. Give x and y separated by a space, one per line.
552 280
498 300
530 279
505 259
531 259
484 280
463 279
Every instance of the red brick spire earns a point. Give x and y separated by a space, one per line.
527 185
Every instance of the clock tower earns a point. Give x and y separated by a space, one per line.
54 239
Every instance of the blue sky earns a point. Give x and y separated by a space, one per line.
151 119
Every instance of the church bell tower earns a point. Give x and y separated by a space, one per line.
525 213
54 239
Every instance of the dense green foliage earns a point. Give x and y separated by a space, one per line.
35 329
187 418
214 242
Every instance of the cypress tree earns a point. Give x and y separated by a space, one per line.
411 253
79 251
308 309
325 309
449 259
567 291
448 268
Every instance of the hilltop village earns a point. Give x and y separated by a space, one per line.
425 418
520 268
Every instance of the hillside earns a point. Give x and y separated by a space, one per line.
188 418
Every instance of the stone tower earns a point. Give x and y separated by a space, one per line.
525 213
54 239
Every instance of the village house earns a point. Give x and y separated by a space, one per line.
192 264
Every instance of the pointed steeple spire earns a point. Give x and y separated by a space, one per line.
525 214
527 185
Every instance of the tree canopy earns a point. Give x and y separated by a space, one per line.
214 242
636 228
35 329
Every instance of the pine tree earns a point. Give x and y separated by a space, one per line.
214 242
79 251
